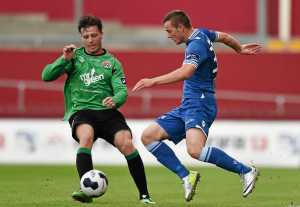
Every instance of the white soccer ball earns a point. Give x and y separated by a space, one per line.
94 183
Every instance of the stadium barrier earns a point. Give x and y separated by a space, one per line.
27 99
46 141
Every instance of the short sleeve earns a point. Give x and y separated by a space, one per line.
195 53
211 34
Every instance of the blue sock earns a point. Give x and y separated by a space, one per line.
165 155
218 157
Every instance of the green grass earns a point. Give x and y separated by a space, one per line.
30 186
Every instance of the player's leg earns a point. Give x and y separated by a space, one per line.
123 141
199 116
83 133
152 138
195 141
116 131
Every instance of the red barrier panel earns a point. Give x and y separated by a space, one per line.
273 17
269 73
295 18
275 73
54 9
211 14
278 72
232 15
25 64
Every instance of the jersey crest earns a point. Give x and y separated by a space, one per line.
106 64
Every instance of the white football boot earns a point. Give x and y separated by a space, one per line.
249 179
190 184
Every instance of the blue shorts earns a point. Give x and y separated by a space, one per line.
192 113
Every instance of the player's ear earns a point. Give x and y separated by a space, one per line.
180 27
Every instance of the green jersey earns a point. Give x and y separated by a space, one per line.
90 80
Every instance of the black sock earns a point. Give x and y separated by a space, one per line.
84 161
137 171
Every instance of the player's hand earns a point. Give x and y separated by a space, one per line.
68 51
143 83
250 49
108 101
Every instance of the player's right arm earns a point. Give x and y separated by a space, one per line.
182 73
59 66
230 41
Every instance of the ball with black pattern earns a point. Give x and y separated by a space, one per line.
94 183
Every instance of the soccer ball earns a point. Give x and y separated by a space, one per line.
94 183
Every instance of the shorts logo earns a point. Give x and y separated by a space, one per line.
73 122
189 121
203 123
106 64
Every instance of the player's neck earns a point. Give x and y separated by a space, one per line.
100 51
189 33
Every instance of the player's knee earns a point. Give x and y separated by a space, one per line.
85 135
123 142
151 134
127 147
86 141
147 137
194 153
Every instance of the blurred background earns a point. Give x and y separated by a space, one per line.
258 96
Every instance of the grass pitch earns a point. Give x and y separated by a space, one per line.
30 186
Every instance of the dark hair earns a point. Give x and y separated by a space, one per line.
178 17
87 21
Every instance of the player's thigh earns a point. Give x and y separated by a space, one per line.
85 135
154 132
114 129
84 131
200 114
82 127
172 123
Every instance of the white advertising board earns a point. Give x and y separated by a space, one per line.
47 141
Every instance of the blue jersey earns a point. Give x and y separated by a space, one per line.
198 108
200 52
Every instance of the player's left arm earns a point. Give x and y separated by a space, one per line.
118 83
229 40
182 73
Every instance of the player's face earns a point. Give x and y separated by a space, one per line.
91 38
174 33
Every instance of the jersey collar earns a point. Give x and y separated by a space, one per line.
103 53
193 35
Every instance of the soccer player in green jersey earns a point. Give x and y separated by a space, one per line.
95 87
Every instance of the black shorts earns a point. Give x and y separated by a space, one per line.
106 123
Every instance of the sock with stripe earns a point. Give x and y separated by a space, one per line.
84 161
218 157
165 155
137 171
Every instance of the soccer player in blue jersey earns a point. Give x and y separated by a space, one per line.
197 111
